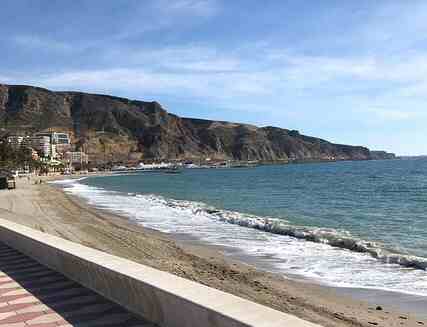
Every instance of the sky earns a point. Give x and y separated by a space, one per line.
352 72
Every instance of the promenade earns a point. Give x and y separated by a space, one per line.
33 295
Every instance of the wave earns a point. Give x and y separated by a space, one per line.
335 238
328 256
329 236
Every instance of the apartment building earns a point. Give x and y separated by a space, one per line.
60 142
76 157
42 145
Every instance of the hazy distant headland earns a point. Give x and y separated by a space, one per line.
121 129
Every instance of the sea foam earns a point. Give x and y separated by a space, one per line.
326 255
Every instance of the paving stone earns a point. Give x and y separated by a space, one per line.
33 295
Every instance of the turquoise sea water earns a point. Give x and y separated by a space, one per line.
359 224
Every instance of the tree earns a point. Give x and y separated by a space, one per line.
16 158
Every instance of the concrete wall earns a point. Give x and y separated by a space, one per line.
160 297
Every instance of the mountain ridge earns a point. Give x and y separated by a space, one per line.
110 127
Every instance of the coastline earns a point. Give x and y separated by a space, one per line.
49 209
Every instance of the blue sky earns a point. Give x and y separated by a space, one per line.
349 71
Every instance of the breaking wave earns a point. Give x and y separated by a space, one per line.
330 256
329 236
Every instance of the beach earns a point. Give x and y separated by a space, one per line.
48 209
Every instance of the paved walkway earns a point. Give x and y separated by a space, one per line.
33 295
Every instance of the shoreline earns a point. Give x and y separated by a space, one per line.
396 301
70 217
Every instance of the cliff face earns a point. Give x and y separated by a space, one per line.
115 127
382 155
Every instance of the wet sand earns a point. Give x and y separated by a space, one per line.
50 210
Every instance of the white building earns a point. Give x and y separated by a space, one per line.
15 141
56 138
76 157
60 140
49 144
42 145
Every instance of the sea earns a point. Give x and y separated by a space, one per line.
357 224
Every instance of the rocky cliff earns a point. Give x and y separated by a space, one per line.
382 155
115 128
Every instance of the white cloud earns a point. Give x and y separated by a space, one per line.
402 68
215 86
5 79
195 59
389 114
167 14
37 42
204 8
321 69
414 90
394 24
218 77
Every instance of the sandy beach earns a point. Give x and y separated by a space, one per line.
49 209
